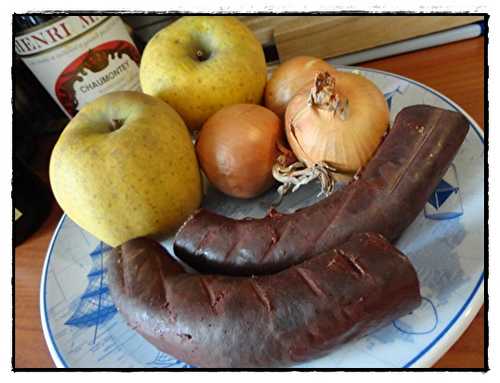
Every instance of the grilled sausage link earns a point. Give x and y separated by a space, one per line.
266 321
388 195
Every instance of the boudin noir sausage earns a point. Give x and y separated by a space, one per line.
262 321
388 195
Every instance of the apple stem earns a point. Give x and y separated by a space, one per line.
116 124
201 55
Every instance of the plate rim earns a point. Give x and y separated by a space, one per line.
440 344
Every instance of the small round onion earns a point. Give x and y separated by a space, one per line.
237 147
289 78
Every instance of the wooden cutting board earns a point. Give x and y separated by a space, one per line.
332 36
322 36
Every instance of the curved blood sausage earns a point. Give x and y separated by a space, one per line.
388 195
267 321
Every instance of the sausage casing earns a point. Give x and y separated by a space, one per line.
262 321
388 195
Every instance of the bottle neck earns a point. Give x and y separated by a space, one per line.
24 22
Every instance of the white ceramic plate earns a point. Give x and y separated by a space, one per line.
445 244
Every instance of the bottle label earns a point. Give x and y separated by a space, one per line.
79 58
17 214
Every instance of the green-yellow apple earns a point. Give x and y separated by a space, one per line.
199 64
124 167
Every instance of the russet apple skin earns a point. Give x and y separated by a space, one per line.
233 70
138 180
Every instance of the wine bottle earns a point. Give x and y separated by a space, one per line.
77 58
32 201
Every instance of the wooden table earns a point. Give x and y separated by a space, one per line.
455 69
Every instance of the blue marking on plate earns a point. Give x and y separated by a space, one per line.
166 361
441 194
450 324
406 327
388 98
100 250
446 190
389 95
95 306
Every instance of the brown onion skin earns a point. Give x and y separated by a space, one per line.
237 148
318 135
290 77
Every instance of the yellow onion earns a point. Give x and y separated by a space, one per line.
237 148
290 77
336 126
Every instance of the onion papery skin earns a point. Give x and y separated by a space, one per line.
318 135
237 148
289 78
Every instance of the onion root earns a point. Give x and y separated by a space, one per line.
293 176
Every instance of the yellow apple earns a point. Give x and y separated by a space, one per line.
124 167
199 64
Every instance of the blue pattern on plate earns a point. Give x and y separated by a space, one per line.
163 360
95 306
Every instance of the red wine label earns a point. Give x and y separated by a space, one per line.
100 70
79 58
